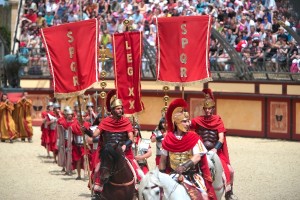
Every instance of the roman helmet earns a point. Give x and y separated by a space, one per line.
89 104
66 109
50 104
112 101
161 122
68 112
75 104
56 105
208 101
175 114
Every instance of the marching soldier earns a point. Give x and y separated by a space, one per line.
212 131
187 154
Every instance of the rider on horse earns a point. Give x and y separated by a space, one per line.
115 129
186 154
212 131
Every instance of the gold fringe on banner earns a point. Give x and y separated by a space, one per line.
184 84
72 94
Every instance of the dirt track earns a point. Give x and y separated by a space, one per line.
264 170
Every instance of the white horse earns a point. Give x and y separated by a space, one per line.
158 186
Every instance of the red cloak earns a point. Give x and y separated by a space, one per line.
63 121
188 141
116 125
76 127
215 123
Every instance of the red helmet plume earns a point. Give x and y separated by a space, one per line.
110 95
209 92
209 100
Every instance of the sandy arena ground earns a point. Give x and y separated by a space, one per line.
264 170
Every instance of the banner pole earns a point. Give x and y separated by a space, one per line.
166 99
104 52
86 159
182 92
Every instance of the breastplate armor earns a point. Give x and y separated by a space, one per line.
177 158
66 133
95 145
52 126
158 144
114 137
209 137
78 139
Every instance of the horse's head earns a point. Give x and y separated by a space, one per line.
150 186
109 155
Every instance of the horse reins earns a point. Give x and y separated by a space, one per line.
122 184
116 172
161 191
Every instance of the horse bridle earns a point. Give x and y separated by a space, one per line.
161 191
114 172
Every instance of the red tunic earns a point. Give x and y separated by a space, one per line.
77 150
63 121
44 137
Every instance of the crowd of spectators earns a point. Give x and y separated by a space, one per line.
252 27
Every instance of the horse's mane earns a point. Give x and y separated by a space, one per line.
107 151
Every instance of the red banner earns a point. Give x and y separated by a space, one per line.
72 52
183 49
127 50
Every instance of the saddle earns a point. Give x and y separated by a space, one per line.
192 191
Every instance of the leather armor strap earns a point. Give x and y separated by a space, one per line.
128 143
158 138
88 132
96 140
188 165
218 145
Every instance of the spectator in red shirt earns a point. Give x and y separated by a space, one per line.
31 16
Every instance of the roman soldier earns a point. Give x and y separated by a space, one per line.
114 129
78 152
213 133
186 154
90 115
45 128
65 140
